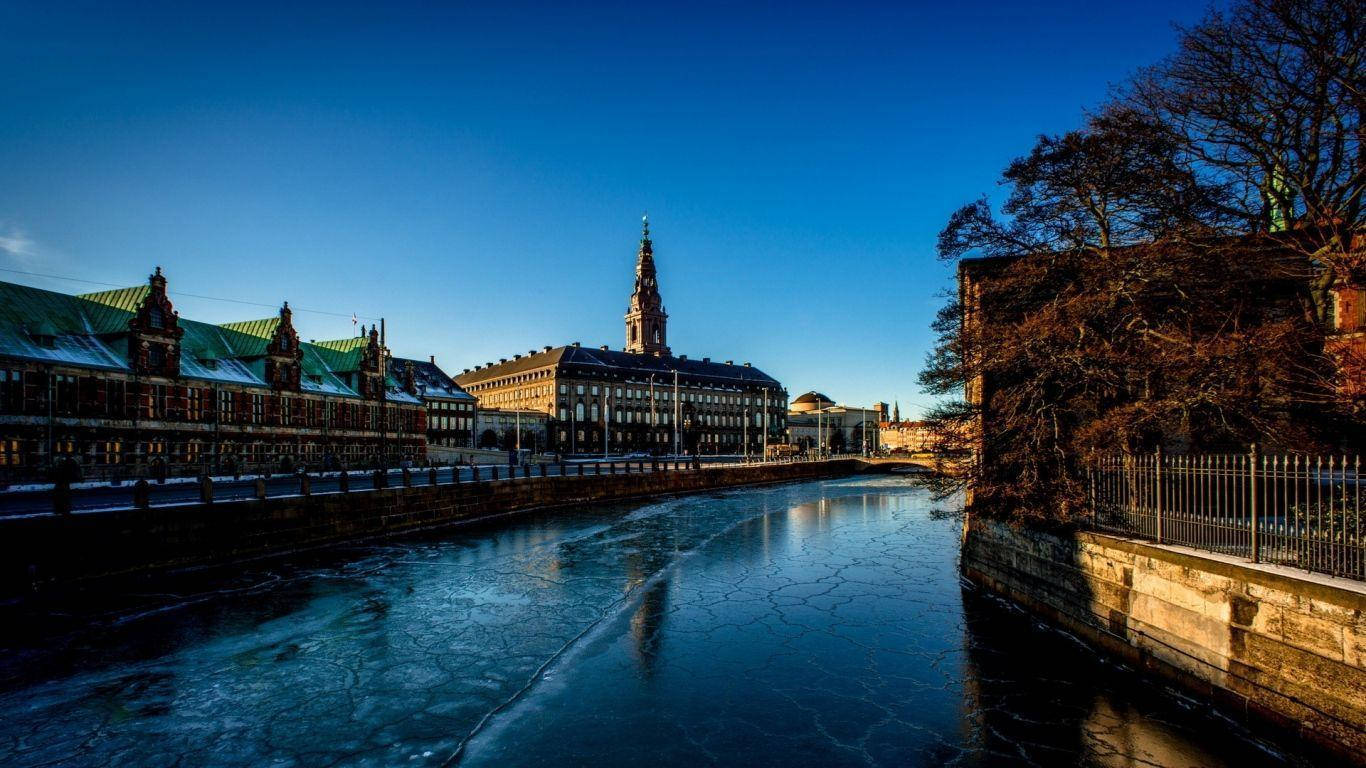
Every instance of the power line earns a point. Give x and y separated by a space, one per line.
182 293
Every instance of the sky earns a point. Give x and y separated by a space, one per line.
475 173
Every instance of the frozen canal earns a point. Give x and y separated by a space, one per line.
818 624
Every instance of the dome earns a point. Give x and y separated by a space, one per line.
810 402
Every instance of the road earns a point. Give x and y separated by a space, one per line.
178 492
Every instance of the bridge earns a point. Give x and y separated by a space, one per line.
919 462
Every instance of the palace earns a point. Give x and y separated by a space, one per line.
116 384
642 397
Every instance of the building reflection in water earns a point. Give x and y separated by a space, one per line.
646 625
1068 707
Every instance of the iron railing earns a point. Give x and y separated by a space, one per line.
1295 510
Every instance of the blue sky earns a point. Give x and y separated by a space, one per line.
475 173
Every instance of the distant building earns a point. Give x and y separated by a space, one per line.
119 384
450 409
815 421
907 437
640 398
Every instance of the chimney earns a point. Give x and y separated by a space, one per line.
546 348
468 370
730 362
682 357
706 359
502 360
432 358
603 347
576 345
747 365
517 356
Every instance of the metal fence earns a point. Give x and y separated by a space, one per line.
1301 511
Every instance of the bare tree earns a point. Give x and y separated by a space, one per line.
1266 103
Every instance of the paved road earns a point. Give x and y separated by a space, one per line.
117 497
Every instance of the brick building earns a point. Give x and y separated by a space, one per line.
642 397
122 386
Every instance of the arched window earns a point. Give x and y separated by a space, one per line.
633 332
594 411
578 411
656 334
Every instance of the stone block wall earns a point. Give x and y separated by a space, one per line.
48 550
1266 643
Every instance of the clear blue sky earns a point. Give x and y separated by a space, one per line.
476 173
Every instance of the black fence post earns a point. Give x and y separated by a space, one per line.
260 487
495 471
344 481
305 484
543 469
142 494
431 476
407 477
205 489
381 479
61 497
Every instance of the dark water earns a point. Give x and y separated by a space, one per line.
819 624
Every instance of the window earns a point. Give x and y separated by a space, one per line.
65 391
156 406
594 411
578 411
11 391
155 319
595 389
578 389
258 409
195 405
10 455
156 356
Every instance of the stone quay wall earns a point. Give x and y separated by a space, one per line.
1273 646
44 551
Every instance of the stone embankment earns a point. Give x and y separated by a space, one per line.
1270 644
46 550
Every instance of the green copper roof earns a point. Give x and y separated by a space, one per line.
342 354
257 333
264 329
126 299
57 327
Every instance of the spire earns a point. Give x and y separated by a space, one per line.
645 315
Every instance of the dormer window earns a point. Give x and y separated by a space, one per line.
155 318
284 343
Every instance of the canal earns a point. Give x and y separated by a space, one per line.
819 624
